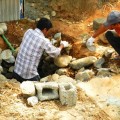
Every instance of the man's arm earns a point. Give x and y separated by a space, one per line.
61 46
101 30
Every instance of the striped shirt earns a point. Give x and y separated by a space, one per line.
31 50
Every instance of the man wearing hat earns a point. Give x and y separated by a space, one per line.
113 37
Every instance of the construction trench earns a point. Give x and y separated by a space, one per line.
78 85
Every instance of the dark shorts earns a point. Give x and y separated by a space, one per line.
113 40
20 79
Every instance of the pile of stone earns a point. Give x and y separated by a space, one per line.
7 60
83 68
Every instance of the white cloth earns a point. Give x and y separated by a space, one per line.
90 41
64 43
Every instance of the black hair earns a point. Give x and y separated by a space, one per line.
44 23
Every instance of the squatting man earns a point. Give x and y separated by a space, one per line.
32 47
112 28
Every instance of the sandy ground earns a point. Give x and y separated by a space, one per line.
14 107
106 92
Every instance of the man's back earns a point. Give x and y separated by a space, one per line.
30 53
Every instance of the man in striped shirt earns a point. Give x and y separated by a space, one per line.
31 50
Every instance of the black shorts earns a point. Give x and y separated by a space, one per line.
20 79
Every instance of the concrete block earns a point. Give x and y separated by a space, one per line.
68 94
47 91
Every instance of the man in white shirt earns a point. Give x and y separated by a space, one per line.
31 50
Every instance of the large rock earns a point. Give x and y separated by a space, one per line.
83 62
62 61
6 54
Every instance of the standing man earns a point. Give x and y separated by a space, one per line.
112 26
31 50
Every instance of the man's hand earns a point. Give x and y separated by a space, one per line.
90 41
64 43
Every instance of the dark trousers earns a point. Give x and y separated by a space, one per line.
20 79
114 41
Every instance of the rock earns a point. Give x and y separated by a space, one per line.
32 100
62 71
11 60
55 77
66 79
101 49
11 69
46 79
84 37
3 26
84 76
2 78
104 72
6 54
47 16
6 64
108 52
45 12
63 60
99 63
37 19
83 62
28 88
68 49
53 41
57 36
53 13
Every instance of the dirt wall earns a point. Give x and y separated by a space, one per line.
67 9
